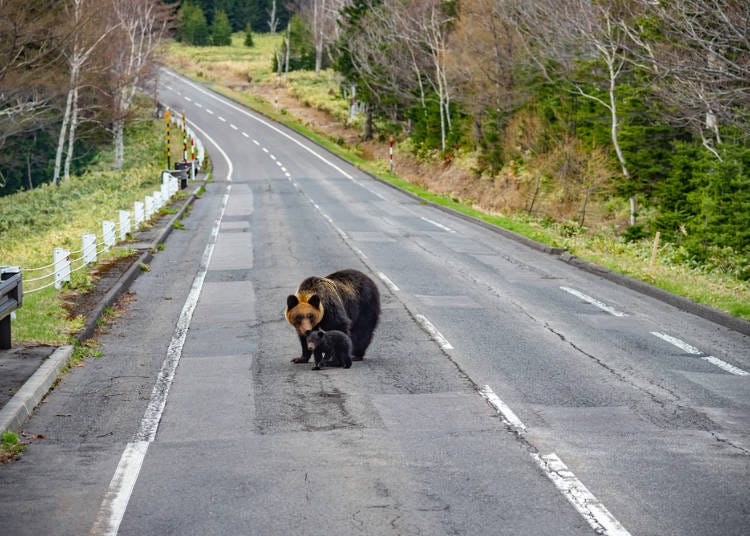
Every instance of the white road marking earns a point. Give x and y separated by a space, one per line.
593 511
502 408
233 126
685 347
594 302
264 122
115 502
198 105
265 150
440 225
210 111
246 134
256 142
388 283
188 98
116 499
432 330
222 119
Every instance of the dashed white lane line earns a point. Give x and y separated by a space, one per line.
265 150
601 305
502 408
222 119
246 134
685 347
585 502
432 330
188 98
198 105
439 225
209 111
233 126
256 142
592 510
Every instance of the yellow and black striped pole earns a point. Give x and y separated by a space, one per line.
169 143
184 139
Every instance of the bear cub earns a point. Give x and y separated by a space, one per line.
336 345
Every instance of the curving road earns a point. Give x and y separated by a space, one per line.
505 392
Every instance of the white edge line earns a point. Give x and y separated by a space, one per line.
388 283
594 302
262 121
593 511
502 409
432 330
116 499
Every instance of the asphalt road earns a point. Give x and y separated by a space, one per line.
505 392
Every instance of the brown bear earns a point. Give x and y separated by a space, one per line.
346 300
334 344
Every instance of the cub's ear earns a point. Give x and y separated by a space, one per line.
314 301
291 302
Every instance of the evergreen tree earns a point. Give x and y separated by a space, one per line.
221 30
192 25
249 35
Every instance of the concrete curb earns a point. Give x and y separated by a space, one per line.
21 406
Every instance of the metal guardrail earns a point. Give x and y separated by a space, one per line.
11 298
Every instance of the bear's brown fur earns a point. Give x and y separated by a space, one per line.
346 300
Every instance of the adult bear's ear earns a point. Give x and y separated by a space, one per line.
291 302
314 301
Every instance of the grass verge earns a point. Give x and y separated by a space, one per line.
34 222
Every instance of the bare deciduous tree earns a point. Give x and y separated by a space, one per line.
29 47
141 25
563 34
485 58
702 56
322 18
84 17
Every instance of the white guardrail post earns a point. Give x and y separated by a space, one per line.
61 259
138 214
124 224
108 234
88 248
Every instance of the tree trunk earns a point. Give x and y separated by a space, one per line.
118 128
367 135
71 134
614 134
61 139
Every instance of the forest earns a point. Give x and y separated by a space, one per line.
628 113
